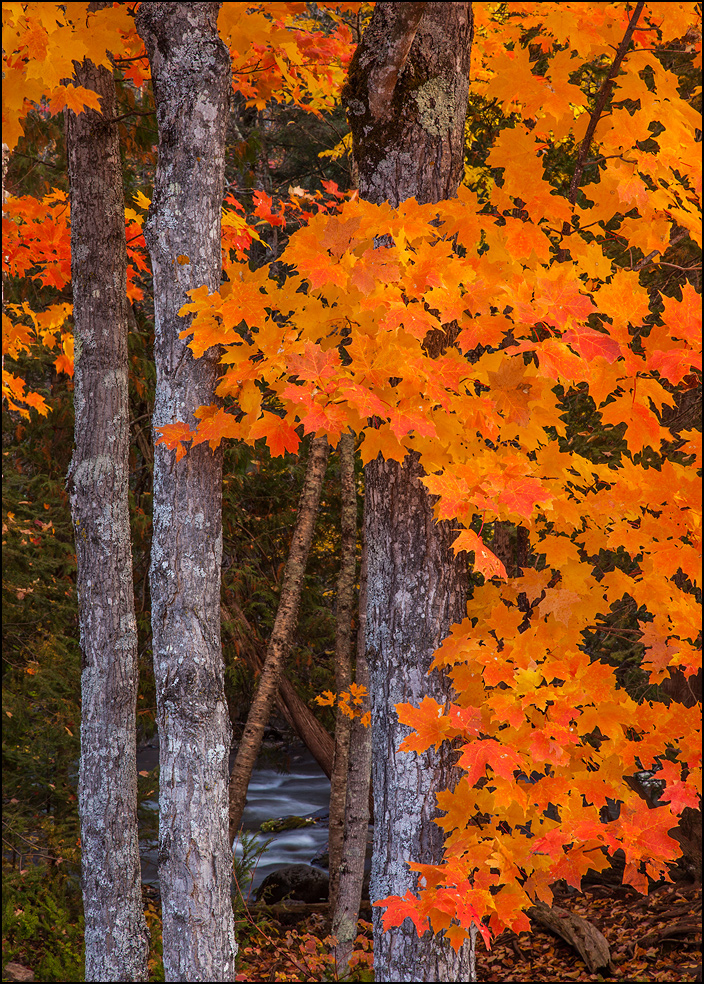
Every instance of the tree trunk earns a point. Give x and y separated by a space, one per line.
116 935
345 915
190 69
343 659
511 545
292 708
407 100
280 641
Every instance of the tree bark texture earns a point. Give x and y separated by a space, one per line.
116 935
281 638
345 915
190 69
407 100
511 545
417 588
292 708
343 658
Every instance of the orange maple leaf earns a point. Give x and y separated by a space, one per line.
429 722
279 434
486 562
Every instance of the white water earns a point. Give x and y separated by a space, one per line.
301 791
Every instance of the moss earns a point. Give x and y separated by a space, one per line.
416 98
287 823
436 107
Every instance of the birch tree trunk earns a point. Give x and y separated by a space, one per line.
116 935
407 100
190 69
279 644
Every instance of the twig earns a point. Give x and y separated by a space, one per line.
602 97
651 256
37 160
125 116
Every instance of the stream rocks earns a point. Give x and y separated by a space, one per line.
302 882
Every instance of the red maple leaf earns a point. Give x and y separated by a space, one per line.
398 909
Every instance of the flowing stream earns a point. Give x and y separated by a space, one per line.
285 782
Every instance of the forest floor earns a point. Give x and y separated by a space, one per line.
653 938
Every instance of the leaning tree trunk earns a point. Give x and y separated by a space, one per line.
116 935
281 638
190 69
407 100
290 706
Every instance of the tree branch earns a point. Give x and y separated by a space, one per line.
604 94
384 75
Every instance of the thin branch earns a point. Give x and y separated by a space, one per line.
674 266
608 157
125 116
651 256
601 100
37 160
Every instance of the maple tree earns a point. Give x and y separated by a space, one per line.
541 280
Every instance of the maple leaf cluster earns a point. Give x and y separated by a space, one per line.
351 702
286 56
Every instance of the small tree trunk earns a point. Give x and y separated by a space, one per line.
512 546
116 935
343 659
354 848
295 711
282 633
191 77
406 96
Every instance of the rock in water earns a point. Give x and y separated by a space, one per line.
295 881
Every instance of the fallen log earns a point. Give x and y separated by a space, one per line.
581 935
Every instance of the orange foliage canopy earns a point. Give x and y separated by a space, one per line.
285 56
515 267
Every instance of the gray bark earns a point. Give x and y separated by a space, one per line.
416 589
354 847
190 69
343 658
407 101
116 935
